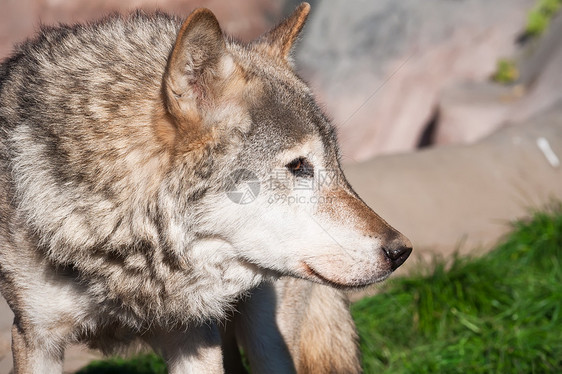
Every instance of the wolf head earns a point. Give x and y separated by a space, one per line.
280 200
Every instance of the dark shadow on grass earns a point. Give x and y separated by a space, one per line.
141 364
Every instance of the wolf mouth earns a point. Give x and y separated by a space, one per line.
336 284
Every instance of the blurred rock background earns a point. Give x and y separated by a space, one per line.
444 152
394 60
394 76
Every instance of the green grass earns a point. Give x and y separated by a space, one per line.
499 313
142 364
540 16
538 20
506 72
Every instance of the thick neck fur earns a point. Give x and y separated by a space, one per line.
134 214
148 251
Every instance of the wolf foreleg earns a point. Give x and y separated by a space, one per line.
197 350
32 357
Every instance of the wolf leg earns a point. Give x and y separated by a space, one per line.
49 309
34 356
293 325
258 332
327 341
232 359
197 350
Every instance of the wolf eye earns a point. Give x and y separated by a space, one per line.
301 167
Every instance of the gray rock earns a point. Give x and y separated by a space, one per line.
541 72
467 112
463 197
470 111
379 65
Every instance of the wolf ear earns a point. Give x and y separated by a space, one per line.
279 40
193 65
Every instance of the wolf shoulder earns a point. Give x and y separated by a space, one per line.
68 74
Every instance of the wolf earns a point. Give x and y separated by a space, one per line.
292 326
120 142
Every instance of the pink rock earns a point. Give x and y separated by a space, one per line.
380 66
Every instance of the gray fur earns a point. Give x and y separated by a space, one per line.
113 217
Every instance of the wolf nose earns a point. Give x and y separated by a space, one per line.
398 251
